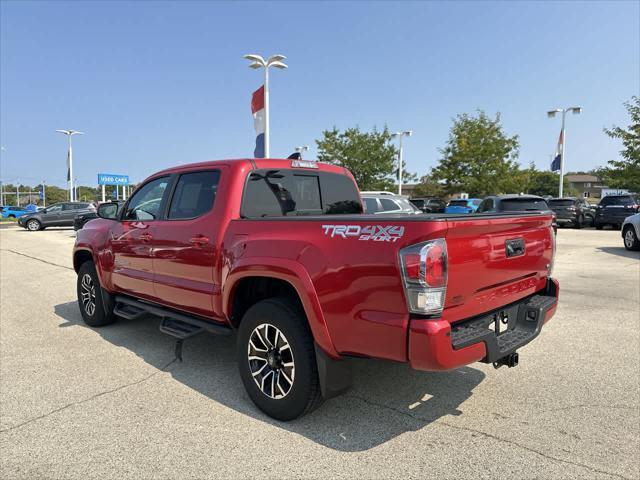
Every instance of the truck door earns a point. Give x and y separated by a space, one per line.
184 244
131 239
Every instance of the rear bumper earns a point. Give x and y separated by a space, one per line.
436 345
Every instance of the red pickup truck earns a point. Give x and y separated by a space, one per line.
280 252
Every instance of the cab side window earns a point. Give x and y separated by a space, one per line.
54 208
145 203
194 195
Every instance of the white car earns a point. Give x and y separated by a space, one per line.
631 232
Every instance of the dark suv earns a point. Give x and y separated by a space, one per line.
56 215
429 204
572 211
613 209
512 203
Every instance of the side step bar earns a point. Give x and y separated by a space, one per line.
176 324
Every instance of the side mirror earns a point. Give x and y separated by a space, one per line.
108 211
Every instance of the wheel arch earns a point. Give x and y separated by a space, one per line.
81 256
258 280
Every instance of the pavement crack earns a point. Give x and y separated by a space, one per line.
36 258
584 405
92 397
488 435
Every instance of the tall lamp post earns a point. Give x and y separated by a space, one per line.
69 134
302 149
400 135
259 62
551 114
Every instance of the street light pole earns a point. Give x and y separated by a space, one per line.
259 62
551 114
406 133
69 134
44 193
301 149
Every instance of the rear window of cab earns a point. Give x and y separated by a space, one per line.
288 192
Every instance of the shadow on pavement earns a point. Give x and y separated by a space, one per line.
620 251
387 399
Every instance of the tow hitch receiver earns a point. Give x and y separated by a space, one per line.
510 360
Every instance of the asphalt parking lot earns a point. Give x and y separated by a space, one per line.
82 403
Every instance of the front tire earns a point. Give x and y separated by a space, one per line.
95 311
34 225
631 241
276 358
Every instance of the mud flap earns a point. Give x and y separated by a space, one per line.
334 375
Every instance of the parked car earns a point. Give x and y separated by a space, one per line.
631 232
429 204
513 203
383 203
572 211
280 252
9 211
80 220
378 192
461 205
613 209
56 215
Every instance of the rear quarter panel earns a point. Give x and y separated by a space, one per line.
360 299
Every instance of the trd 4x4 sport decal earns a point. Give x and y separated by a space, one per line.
377 233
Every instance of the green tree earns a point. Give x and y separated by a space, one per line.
370 156
625 172
479 158
546 183
428 187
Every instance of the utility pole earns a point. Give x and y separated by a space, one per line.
44 193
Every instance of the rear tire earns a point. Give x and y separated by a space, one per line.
95 311
631 241
33 225
276 358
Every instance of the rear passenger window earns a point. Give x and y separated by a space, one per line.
370 205
389 205
194 195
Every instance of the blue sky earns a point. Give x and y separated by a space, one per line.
154 84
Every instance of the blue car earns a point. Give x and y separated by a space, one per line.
461 205
13 212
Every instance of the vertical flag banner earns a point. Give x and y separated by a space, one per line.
68 166
555 164
257 110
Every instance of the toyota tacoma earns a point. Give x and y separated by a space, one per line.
280 253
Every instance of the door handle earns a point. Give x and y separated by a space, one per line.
199 240
146 237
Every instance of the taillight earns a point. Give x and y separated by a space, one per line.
424 275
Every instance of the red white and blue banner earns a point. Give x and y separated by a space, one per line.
555 164
257 110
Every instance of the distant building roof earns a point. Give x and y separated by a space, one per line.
578 178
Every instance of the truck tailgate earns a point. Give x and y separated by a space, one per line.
493 262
